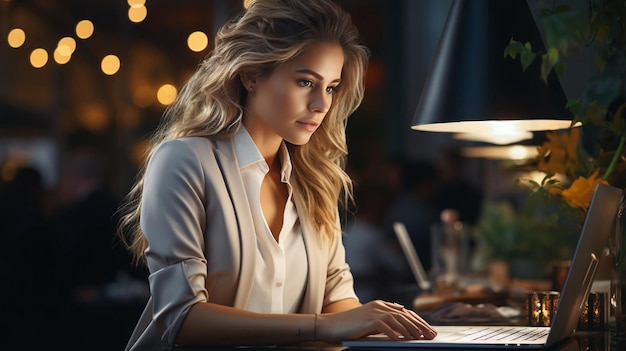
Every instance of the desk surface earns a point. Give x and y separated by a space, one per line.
582 341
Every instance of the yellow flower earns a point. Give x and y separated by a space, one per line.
579 194
559 154
555 190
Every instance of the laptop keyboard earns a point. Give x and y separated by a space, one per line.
499 334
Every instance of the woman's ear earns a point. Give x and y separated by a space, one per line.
248 81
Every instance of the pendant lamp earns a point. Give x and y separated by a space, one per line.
475 90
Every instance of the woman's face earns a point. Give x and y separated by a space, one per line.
292 101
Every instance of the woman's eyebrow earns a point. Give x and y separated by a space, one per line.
316 75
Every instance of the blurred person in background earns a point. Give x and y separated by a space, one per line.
374 258
85 225
28 288
100 291
415 207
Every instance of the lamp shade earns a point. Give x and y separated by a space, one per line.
473 88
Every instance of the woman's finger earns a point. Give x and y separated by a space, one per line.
430 332
410 325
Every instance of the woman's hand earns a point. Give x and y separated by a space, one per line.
374 317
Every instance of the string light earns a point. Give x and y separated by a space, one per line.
66 46
84 29
137 14
136 3
61 57
166 94
16 37
38 58
197 41
110 65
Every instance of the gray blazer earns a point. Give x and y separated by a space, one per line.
202 244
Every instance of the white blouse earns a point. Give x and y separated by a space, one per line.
281 267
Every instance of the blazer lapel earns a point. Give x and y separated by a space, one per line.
225 155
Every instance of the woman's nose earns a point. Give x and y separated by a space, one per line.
320 101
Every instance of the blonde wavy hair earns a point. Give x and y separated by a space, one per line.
211 103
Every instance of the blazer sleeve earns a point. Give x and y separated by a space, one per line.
339 280
173 220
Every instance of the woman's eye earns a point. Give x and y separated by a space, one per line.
331 90
305 83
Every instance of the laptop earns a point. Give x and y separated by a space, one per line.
411 256
594 236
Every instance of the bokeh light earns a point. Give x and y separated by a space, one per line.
66 46
197 41
137 14
84 29
166 94
136 3
16 37
38 58
110 64
60 57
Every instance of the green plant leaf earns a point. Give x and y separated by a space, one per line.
553 56
527 58
573 105
565 29
513 49
546 67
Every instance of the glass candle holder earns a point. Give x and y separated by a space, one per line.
594 315
541 307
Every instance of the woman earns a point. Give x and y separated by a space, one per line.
236 212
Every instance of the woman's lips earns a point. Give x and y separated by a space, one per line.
311 126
